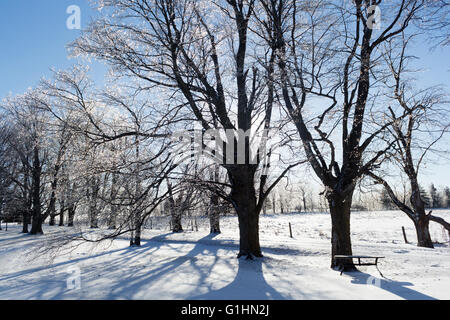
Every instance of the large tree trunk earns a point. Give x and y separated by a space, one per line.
93 208
61 214
244 200
113 205
341 243
214 210
420 218
137 233
25 221
214 215
423 233
175 211
52 205
176 220
36 224
71 214
52 221
112 218
94 220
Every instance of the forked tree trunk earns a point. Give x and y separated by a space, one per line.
341 243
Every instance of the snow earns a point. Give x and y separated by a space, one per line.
195 265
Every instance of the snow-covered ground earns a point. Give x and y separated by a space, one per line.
195 265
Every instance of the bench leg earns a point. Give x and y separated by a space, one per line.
342 268
379 271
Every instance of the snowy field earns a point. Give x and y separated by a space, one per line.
194 265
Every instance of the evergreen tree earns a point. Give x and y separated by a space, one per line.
386 200
435 197
447 197
425 197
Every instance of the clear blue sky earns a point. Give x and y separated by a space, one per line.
34 36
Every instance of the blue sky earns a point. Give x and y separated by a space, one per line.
34 36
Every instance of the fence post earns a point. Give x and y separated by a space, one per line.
404 234
290 230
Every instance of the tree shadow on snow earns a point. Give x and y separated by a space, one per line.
136 279
400 289
249 284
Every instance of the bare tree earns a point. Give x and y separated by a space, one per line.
172 45
30 119
323 63
120 154
416 135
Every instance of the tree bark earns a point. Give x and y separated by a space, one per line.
52 206
420 218
93 209
71 214
214 215
137 234
36 224
423 233
175 211
214 210
61 215
176 221
26 221
243 195
340 231
113 205
52 221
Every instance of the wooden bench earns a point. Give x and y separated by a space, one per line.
374 261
